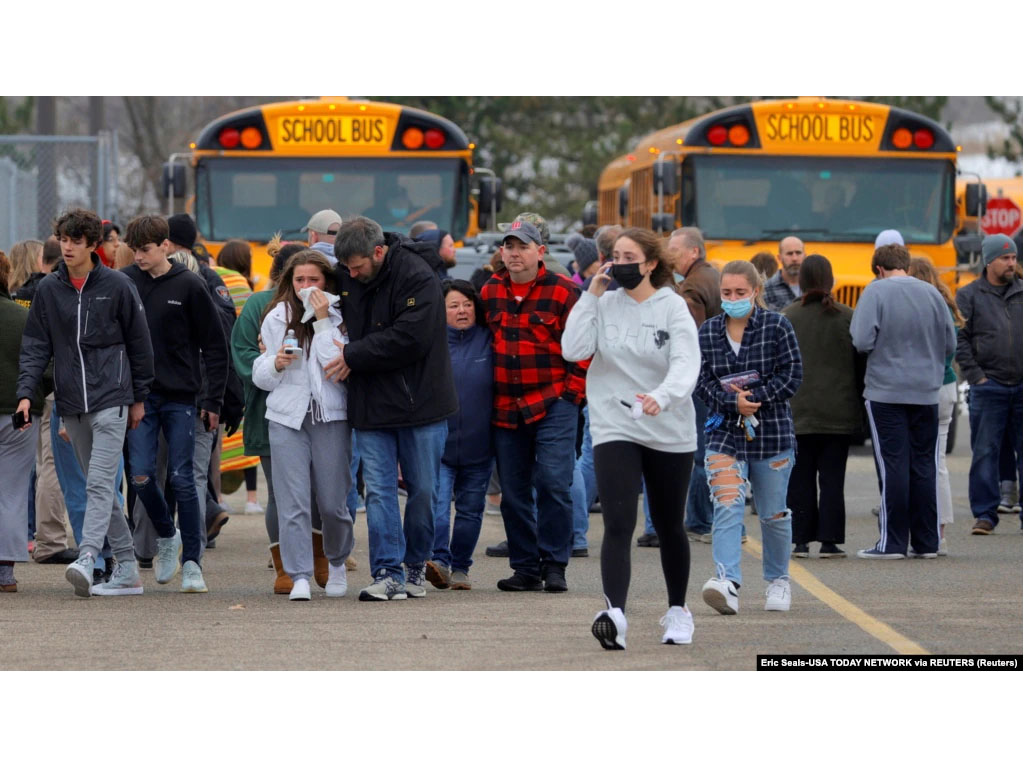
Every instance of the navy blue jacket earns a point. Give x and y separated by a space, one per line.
469 429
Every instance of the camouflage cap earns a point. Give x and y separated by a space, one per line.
533 218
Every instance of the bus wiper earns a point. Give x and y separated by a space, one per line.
766 233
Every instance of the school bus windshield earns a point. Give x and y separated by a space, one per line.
823 199
251 199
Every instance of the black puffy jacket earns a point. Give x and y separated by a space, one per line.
398 353
98 339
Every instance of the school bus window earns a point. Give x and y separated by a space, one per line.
254 189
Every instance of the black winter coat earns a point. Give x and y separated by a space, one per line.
98 339
398 349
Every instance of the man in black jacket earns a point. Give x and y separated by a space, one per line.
989 353
90 321
183 326
400 394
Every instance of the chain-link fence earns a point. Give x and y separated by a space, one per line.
40 176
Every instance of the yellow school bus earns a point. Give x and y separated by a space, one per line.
832 172
267 169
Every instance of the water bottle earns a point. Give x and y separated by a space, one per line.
291 344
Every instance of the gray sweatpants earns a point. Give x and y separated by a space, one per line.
98 439
17 455
312 459
145 533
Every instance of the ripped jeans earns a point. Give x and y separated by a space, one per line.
769 480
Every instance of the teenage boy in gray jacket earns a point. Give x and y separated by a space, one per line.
906 330
90 320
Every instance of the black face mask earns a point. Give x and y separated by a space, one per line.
627 275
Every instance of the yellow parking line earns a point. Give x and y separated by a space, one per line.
844 607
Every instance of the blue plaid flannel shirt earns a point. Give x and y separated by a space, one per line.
769 347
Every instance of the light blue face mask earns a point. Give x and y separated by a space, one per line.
737 309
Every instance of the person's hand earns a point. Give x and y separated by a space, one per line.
23 408
318 301
743 405
63 433
650 405
337 369
599 282
982 381
135 413
263 347
282 360
212 419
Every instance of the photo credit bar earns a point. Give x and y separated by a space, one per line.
888 663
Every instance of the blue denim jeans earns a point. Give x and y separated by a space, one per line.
419 451
995 410
353 502
540 454
469 484
72 484
177 421
769 480
700 511
584 487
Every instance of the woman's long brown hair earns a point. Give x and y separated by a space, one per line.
286 293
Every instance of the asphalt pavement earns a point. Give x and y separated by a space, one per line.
968 602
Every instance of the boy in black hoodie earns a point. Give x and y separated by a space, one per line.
183 326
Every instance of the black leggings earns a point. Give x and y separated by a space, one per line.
619 466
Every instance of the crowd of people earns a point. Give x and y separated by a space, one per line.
364 372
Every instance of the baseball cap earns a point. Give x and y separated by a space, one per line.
888 237
524 231
322 221
533 218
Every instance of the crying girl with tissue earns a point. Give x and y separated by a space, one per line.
310 436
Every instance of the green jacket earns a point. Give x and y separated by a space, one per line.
829 399
12 325
245 349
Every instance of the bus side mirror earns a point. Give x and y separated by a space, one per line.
623 202
665 178
968 247
173 180
590 213
663 222
491 195
975 199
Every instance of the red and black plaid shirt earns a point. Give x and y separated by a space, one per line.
529 370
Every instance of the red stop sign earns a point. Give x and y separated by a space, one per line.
1002 217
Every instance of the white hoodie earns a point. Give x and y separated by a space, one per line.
638 348
302 384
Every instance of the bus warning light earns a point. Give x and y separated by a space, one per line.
901 138
717 135
739 135
923 139
251 137
229 138
434 138
412 138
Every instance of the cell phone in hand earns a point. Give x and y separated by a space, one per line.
18 419
206 420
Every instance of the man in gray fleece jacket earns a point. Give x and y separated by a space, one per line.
906 330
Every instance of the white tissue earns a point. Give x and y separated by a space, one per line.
305 293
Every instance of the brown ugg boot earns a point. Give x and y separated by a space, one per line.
283 582
320 563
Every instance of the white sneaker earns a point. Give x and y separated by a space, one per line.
253 508
678 624
300 590
168 553
192 578
337 581
721 595
79 573
943 549
124 580
778 595
609 628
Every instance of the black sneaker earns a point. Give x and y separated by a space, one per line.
581 552
498 550
801 550
521 582
648 540
828 549
554 579
64 557
146 563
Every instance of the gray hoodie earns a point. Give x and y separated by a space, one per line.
906 328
